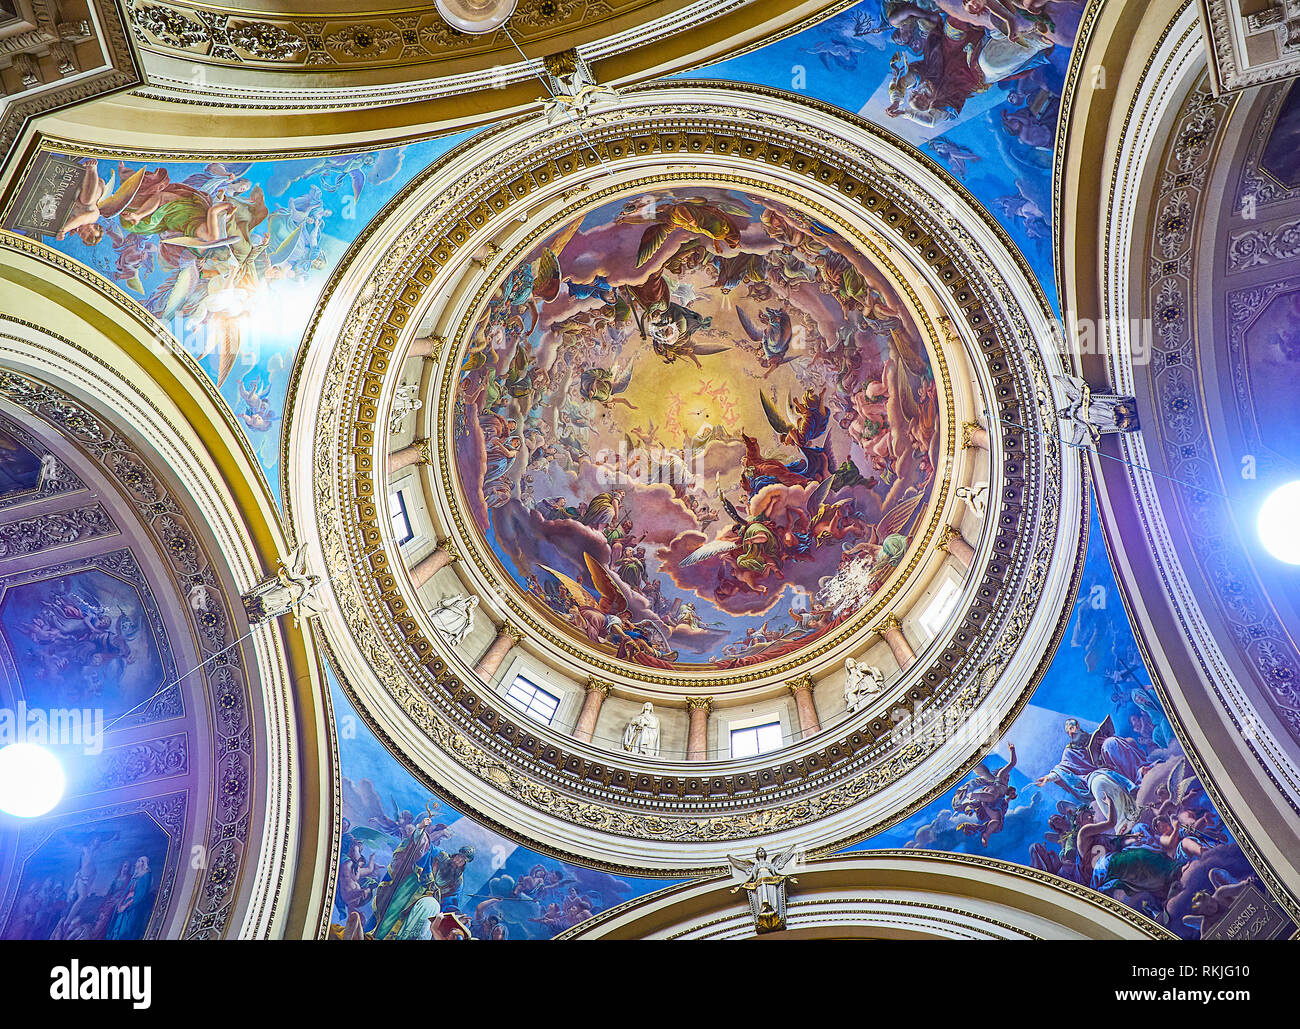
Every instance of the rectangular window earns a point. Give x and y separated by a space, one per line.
940 606
757 739
532 700
402 531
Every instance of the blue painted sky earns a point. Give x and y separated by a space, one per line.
498 863
314 208
845 61
1096 673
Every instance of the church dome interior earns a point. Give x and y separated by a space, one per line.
553 470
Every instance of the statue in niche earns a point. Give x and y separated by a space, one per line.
642 733
406 402
290 591
861 683
976 498
454 617
766 885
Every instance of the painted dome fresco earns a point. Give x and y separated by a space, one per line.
651 469
727 425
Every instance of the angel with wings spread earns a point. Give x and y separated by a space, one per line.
802 422
606 385
766 885
336 170
609 619
749 549
986 798
773 337
714 220
532 286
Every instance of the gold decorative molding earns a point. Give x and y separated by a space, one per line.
890 621
352 38
595 803
337 66
448 547
516 634
803 682
58 53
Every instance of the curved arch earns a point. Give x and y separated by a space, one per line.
96 367
1157 133
886 895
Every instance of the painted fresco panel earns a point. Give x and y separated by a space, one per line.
98 880
1281 156
697 427
84 639
1091 784
408 856
974 84
20 469
230 256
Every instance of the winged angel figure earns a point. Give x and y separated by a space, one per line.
766 885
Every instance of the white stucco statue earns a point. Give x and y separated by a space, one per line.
454 617
765 883
291 590
976 497
1086 415
861 683
406 402
642 733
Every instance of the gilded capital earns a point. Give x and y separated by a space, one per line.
511 630
596 686
968 430
449 548
890 621
425 446
693 703
803 682
946 535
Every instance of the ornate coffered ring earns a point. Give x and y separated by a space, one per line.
406 277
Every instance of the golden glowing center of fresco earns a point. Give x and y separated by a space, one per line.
697 427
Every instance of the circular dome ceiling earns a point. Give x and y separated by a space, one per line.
556 275
728 425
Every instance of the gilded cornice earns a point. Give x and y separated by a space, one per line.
352 38
600 793
87 45
347 62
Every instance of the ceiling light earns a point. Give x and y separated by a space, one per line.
1279 523
31 780
476 16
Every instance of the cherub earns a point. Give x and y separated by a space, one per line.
986 797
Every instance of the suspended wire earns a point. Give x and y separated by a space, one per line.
1110 457
163 689
551 93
